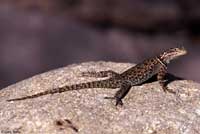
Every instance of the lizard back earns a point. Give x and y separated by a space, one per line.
142 71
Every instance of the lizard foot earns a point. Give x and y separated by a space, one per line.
176 93
169 90
118 100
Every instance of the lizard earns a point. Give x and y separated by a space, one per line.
133 76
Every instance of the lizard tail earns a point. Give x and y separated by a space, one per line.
33 96
94 84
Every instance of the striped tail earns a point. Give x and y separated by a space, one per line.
94 84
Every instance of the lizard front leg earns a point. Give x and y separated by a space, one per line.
161 78
121 93
100 74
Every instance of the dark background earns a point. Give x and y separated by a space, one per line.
40 35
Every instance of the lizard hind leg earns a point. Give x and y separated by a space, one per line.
100 74
121 93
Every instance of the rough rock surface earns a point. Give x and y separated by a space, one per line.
146 110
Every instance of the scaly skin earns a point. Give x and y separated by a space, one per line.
134 76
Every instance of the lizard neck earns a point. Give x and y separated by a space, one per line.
164 58
162 62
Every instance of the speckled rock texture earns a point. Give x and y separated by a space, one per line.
146 110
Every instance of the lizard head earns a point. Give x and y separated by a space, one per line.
172 53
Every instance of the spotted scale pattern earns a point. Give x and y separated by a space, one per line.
134 76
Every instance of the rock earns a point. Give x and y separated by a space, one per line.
146 110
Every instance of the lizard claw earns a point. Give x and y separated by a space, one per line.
178 97
109 98
169 90
176 93
118 100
